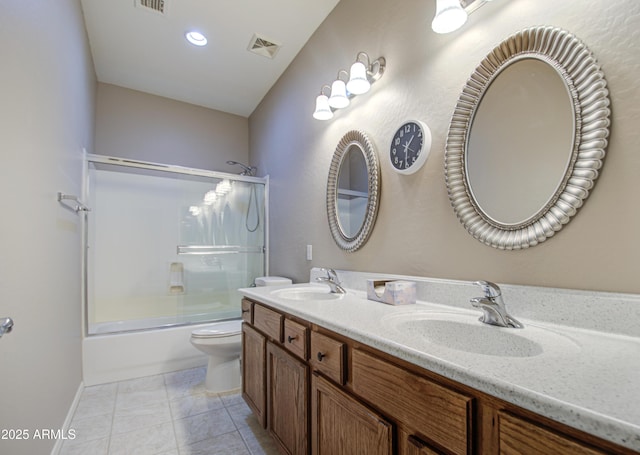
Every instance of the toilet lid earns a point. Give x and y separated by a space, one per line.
219 329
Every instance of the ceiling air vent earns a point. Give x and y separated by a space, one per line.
262 46
158 6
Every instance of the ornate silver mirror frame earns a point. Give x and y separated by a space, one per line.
587 89
360 140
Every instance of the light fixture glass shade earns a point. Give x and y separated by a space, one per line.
338 98
358 82
323 110
449 16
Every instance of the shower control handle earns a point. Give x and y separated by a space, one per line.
6 324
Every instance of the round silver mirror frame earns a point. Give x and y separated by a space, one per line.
362 141
587 87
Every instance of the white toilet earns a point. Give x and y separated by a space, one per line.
221 341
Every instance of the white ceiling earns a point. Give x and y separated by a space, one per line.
138 48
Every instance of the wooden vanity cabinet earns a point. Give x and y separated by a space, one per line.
519 436
415 446
442 415
254 371
276 377
328 356
343 426
287 400
247 311
320 392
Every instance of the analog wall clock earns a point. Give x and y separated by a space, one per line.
410 147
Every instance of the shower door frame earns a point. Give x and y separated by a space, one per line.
170 168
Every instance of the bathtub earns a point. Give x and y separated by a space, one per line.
133 354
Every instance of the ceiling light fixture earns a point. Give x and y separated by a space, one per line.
196 38
363 74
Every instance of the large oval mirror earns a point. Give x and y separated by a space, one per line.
527 138
353 191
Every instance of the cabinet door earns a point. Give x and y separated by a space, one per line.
439 413
253 371
287 400
521 437
416 446
340 425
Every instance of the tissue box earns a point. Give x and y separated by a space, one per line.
392 292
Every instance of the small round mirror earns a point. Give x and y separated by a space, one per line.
353 191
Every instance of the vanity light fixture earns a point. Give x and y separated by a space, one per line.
323 110
449 16
196 38
452 14
339 98
363 73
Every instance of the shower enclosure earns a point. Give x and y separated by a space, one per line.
169 246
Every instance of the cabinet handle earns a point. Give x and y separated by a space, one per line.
245 311
321 356
290 338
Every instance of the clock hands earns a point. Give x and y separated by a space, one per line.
406 150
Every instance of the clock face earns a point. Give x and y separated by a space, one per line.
410 147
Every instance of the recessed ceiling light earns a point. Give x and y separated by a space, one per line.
196 38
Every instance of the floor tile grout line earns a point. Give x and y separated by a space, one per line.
173 419
113 416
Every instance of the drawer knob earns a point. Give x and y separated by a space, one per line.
290 338
321 356
245 311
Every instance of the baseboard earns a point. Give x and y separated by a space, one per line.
67 421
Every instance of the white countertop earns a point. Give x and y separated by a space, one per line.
584 378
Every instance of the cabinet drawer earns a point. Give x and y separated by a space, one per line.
247 311
268 322
521 437
439 413
328 356
295 338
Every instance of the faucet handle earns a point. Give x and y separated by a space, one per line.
490 289
331 275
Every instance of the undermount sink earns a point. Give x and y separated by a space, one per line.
464 332
306 293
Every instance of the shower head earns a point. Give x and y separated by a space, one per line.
246 170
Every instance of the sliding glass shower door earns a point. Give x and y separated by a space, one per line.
168 245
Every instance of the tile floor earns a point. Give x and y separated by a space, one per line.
166 414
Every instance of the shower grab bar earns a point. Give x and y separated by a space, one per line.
221 249
79 207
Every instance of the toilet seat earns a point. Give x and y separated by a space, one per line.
219 330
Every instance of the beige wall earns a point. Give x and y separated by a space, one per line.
417 232
136 125
46 117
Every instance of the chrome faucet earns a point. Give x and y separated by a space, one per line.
494 311
332 281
